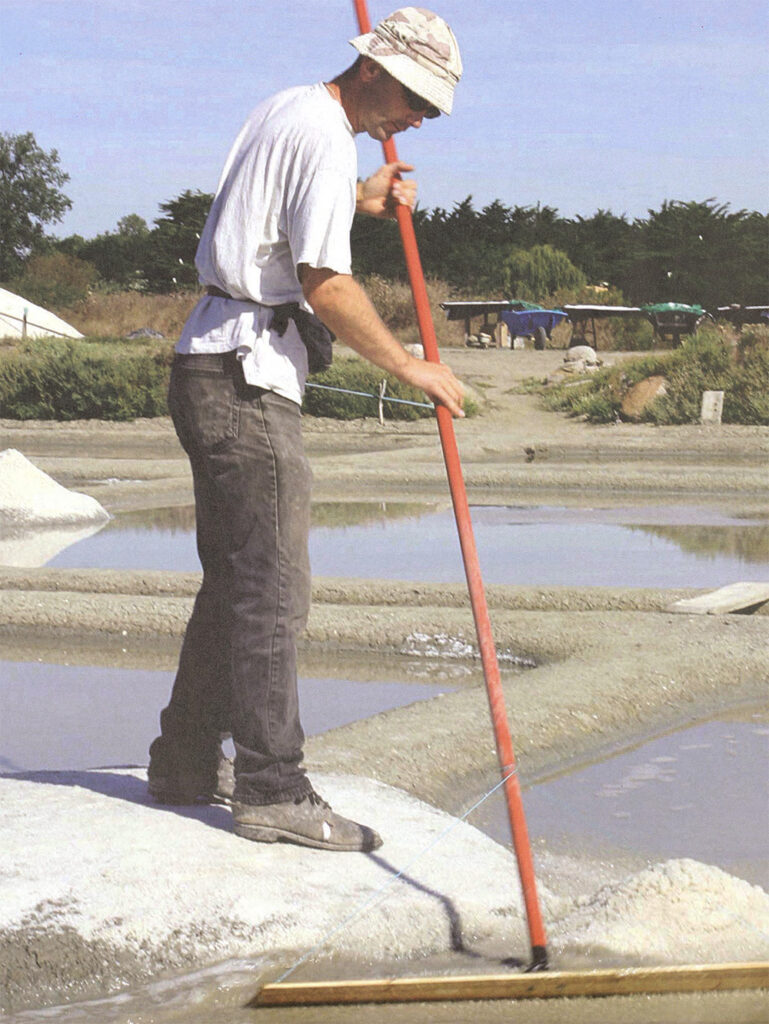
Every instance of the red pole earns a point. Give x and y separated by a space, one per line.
486 646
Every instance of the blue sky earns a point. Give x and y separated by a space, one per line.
617 105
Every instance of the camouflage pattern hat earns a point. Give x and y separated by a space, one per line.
420 50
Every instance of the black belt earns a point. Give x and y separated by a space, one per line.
217 292
314 334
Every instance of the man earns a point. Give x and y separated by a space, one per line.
278 235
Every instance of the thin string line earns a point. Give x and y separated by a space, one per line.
378 893
367 394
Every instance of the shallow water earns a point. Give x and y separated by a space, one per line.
700 792
83 716
684 546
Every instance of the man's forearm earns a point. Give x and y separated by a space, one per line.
346 310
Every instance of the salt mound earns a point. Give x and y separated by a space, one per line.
31 498
84 909
679 911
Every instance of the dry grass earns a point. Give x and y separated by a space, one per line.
395 305
116 314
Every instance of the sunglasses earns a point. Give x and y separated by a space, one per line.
418 105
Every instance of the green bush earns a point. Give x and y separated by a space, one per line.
700 364
72 380
55 279
703 363
539 271
632 334
747 399
111 379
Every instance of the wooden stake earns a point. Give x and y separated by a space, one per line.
549 985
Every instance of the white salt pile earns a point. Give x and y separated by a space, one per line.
99 885
29 498
679 911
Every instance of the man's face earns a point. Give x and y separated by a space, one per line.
392 108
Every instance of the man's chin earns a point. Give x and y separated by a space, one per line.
381 134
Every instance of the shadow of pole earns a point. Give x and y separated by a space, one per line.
457 941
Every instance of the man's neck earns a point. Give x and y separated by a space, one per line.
343 90
334 91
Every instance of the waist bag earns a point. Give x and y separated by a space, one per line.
316 337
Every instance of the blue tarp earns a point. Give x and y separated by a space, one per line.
525 322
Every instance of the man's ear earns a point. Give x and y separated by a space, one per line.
370 70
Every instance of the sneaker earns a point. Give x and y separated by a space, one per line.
192 787
308 821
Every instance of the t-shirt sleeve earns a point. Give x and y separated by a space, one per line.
320 206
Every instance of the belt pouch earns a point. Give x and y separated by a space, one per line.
315 336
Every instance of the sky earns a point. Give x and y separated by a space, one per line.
603 104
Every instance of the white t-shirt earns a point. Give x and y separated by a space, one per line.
286 196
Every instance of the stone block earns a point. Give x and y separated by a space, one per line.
712 407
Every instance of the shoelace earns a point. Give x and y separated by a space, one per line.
314 798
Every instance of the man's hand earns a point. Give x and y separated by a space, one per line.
437 381
345 308
382 193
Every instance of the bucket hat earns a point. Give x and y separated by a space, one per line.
420 50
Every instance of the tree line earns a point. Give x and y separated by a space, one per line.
685 251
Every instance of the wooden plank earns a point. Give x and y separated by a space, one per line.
545 985
732 598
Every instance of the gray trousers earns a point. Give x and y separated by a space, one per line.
237 669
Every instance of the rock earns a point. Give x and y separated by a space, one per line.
581 352
144 332
415 350
580 359
641 395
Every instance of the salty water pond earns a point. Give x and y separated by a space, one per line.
678 546
702 792
57 717
699 792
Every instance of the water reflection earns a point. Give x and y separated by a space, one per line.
33 548
323 513
746 544
676 546
361 513
175 519
701 792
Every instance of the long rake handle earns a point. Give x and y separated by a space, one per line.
518 829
